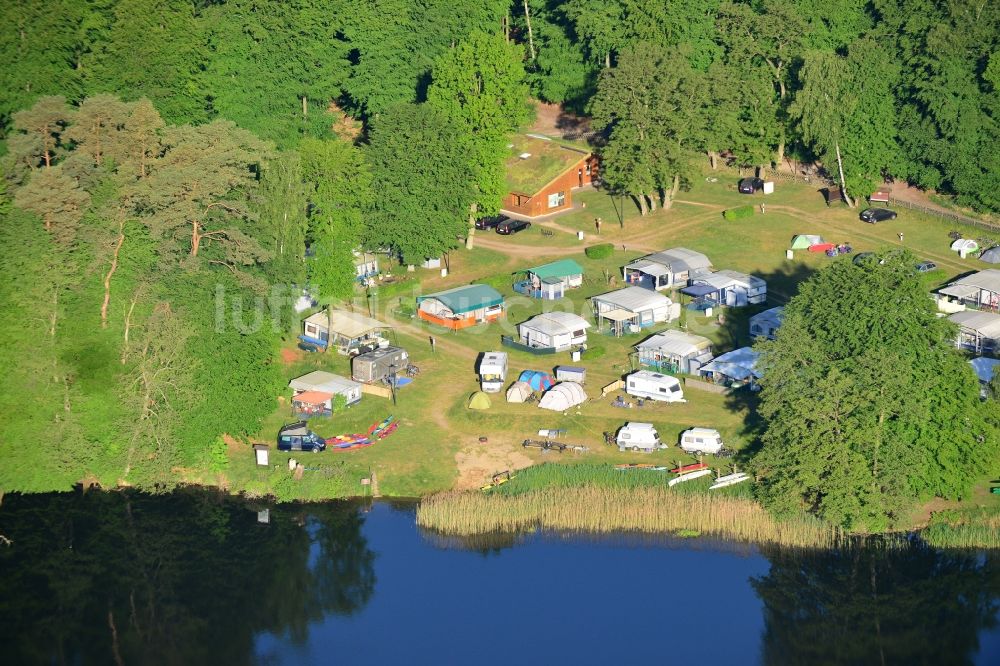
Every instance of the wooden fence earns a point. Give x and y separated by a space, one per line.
375 389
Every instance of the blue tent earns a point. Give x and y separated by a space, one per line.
539 381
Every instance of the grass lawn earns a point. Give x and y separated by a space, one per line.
437 428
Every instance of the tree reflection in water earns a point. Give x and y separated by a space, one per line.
873 605
129 578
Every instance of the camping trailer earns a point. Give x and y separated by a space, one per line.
653 385
701 440
493 371
638 437
379 364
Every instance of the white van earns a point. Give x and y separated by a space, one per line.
493 371
653 385
702 440
638 437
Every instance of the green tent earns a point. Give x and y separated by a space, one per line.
805 241
479 400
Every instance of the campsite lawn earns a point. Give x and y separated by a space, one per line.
437 428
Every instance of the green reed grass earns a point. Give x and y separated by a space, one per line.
602 509
971 528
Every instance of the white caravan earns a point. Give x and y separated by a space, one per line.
653 385
638 437
493 371
701 440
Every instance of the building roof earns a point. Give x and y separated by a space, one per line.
739 364
680 259
648 267
556 323
984 367
986 324
677 343
546 160
327 382
988 280
313 397
346 324
772 317
466 299
557 269
727 278
634 299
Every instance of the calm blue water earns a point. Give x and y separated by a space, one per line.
194 578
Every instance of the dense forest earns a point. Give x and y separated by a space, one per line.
167 163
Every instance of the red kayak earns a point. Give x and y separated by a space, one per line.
693 467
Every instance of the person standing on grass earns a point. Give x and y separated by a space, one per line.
900 234
762 209
432 341
597 223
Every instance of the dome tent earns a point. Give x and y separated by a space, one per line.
562 396
539 381
966 245
804 241
991 256
519 392
479 400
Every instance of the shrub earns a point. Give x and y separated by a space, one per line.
602 251
738 213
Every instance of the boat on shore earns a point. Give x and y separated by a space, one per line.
687 469
697 474
729 480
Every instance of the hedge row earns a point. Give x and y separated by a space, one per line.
738 213
602 251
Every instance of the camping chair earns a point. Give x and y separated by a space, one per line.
412 370
547 232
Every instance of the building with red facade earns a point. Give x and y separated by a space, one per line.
542 174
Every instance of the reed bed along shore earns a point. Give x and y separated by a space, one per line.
603 509
975 528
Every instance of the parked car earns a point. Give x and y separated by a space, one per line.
491 222
298 437
512 226
751 185
873 215
925 266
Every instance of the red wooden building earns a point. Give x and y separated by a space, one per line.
542 174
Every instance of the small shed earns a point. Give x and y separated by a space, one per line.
550 281
538 381
765 324
734 369
327 383
379 364
461 307
633 308
562 396
569 373
480 400
350 332
556 330
519 392
675 351
880 196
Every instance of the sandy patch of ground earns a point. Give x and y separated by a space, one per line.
552 120
477 462
289 356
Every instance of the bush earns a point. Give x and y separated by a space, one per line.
738 213
602 251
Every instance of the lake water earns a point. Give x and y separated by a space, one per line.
197 578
